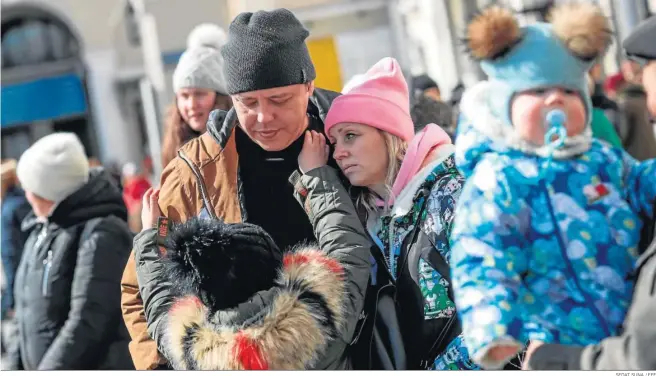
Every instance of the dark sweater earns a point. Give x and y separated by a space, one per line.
266 192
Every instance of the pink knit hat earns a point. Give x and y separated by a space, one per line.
381 101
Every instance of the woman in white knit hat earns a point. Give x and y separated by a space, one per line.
199 87
67 288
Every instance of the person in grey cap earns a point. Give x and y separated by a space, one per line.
238 171
67 296
635 348
199 87
640 47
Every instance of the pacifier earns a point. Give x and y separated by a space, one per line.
556 134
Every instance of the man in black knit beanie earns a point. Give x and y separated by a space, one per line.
238 171
266 50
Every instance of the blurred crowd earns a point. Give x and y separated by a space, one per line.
382 227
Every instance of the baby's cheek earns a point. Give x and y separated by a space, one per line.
576 120
575 128
526 119
530 128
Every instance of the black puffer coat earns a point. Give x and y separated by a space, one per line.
68 292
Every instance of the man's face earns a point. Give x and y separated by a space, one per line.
649 83
434 93
274 118
631 71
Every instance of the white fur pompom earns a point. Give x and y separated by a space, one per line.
207 35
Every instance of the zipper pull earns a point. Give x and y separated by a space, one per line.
41 237
47 262
424 365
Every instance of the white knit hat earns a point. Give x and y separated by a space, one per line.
201 65
54 167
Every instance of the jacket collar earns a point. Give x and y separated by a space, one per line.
403 203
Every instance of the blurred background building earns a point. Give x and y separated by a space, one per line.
78 65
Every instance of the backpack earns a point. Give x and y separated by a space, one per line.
378 343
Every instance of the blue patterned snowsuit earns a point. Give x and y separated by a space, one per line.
544 251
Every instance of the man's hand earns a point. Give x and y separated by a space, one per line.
501 353
150 209
532 346
314 153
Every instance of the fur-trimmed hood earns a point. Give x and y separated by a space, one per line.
286 327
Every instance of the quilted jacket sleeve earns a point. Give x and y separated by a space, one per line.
154 288
339 232
487 262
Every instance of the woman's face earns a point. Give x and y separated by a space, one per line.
361 153
530 107
195 106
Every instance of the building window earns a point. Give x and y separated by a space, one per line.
31 41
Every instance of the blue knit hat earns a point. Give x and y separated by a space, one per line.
542 55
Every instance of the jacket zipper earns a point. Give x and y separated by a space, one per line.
570 268
41 236
390 240
201 184
47 262
387 268
363 316
47 265
380 259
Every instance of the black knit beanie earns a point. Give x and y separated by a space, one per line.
266 50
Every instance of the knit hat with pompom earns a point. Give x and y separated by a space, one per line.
201 65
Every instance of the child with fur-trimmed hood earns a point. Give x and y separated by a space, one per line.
222 296
547 229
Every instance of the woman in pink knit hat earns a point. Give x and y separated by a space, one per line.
406 186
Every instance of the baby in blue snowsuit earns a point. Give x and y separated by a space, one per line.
547 228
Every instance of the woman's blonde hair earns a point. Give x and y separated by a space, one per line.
396 149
